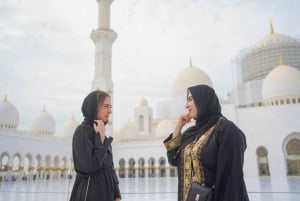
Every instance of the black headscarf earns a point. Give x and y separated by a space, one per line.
208 108
90 104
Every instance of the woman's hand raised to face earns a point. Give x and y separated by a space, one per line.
99 128
182 120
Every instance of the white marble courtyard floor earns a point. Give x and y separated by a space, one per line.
158 189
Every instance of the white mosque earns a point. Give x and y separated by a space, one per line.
265 104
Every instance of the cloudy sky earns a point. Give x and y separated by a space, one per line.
47 56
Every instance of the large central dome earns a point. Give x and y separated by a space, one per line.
258 61
275 39
188 77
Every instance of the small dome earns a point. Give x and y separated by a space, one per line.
43 124
164 128
143 102
282 82
190 76
9 115
128 132
69 127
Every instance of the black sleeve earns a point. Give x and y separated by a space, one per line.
230 184
172 146
117 193
88 156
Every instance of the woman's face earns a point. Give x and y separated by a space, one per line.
191 107
104 110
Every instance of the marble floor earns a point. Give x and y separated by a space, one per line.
136 189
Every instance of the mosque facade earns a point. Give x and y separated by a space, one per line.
264 103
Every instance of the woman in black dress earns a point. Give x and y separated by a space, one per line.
96 179
211 152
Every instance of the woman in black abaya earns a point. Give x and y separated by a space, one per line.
211 152
96 179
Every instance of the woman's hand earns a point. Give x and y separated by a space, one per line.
182 120
99 128
117 199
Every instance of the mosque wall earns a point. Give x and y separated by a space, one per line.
249 92
35 144
136 150
268 127
229 111
34 156
141 159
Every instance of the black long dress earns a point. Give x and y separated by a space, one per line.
221 155
222 159
96 179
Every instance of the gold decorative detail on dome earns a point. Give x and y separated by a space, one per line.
271 28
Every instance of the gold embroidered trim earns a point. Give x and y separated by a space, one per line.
192 167
173 143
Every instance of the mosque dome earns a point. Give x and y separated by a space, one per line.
128 132
257 62
164 128
69 127
43 123
283 82
9 115
143 102
275 39
188 77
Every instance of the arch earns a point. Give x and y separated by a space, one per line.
162 167
141 123
291 150
69 167
48 168
141 168
16 162
151 164
28 167
28 162
293 159
39 166
262 161
131 170
64 167
122 170
4 159
56 167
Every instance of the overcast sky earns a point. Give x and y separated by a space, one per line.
47 56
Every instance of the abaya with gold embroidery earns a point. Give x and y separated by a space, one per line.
211 152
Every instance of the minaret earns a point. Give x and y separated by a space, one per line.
103 38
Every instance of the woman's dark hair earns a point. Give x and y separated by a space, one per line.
101 95
91 104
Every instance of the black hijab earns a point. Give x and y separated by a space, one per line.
90 104
208 108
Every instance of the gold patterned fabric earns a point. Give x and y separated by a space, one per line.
173 143
192 167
